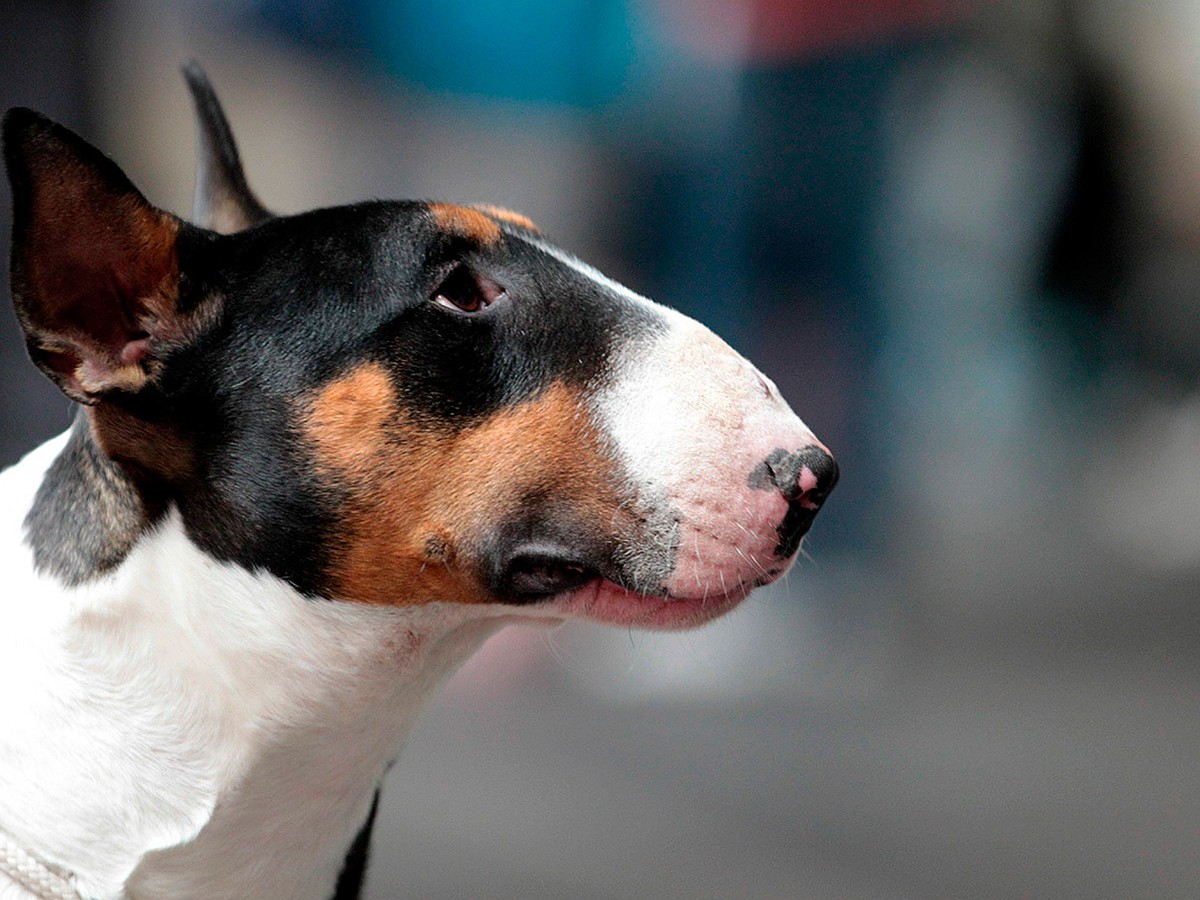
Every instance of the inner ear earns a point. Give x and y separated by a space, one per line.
95 272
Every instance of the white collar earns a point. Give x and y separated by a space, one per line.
44 881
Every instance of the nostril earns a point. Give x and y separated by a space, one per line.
804 477
810 494
816 478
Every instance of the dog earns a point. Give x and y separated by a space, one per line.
317 460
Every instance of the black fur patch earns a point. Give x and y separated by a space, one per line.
354 870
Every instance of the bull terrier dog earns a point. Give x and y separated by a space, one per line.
316 461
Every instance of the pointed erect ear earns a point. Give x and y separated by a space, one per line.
95 268
224 202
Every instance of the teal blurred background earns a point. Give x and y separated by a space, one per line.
964 238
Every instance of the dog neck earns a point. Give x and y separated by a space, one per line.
179 725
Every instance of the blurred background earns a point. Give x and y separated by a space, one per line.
963 237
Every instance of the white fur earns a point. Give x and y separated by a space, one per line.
186 728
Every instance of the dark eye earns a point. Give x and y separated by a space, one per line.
463 290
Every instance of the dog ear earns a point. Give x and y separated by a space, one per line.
224 201
95 267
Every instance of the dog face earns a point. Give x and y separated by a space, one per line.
399 403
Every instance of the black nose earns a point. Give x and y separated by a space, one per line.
804 477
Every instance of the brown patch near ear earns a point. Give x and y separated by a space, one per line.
465 222
418 497
510 216
151 448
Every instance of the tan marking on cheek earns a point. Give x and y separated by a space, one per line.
465 222
363 448
419 498
347 421
510 216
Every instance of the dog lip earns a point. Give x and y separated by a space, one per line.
602 600
740 589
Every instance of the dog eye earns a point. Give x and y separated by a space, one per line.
463 290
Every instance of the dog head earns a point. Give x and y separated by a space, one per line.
401 403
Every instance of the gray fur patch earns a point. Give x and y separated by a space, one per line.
647 564
86 514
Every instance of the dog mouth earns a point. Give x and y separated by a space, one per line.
602 600
547 577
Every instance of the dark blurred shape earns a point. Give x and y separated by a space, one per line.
1085 260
